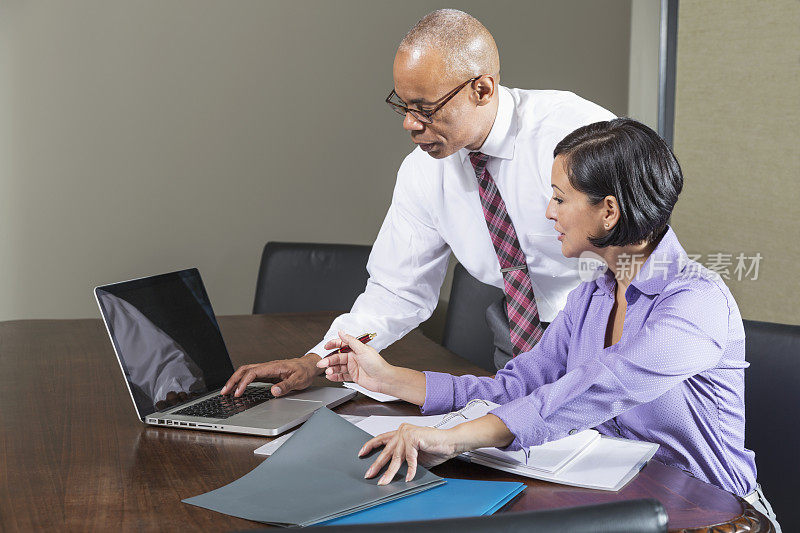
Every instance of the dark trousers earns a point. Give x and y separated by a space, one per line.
497 320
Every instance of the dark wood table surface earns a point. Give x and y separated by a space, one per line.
74 456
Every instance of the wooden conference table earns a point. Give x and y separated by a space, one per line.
74 456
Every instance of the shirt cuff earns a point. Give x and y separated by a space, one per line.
320 350
524 421
438 393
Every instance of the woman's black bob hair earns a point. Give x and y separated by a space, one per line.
625 159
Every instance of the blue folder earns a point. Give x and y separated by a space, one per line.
457 498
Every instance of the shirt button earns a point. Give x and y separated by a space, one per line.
618 431
573 431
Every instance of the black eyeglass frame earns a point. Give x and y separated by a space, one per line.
426 117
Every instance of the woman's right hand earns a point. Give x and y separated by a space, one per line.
363 365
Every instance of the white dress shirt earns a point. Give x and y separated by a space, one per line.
436 209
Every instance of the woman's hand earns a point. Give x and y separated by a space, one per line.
363 365
430 446
413 445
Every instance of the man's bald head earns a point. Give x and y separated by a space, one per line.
465 46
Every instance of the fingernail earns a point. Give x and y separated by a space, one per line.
276 391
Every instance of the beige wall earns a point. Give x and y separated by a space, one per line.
643 74
142 137
736 137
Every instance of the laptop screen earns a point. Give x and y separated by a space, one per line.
166 337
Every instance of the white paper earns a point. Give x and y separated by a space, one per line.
375 425
606 464
366 392
548 457
270 447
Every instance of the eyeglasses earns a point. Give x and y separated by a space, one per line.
423 116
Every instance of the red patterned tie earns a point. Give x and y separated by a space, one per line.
523 315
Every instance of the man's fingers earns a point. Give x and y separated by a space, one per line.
234 379
249 373
287 385
248 377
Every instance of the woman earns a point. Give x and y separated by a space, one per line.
673 375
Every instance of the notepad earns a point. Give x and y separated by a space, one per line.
586 459
458 498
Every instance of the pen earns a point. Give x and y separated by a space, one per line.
365 338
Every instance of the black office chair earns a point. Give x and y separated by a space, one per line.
465 329
772 402
632 516
299 277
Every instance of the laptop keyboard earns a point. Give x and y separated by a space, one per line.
227 406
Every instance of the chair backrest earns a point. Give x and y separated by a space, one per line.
465 329
632 516
772 403
300 277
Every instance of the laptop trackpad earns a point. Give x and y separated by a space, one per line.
275 413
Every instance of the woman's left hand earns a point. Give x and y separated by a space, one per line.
413 445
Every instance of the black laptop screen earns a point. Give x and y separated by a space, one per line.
167 338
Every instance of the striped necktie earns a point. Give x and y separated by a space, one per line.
523 315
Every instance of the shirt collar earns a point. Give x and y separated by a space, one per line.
503 135
663 265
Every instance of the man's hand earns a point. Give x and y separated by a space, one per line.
363 365
295 374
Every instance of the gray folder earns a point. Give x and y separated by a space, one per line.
315 476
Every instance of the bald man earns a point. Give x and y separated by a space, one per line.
476 185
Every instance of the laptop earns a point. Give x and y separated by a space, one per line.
174 361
